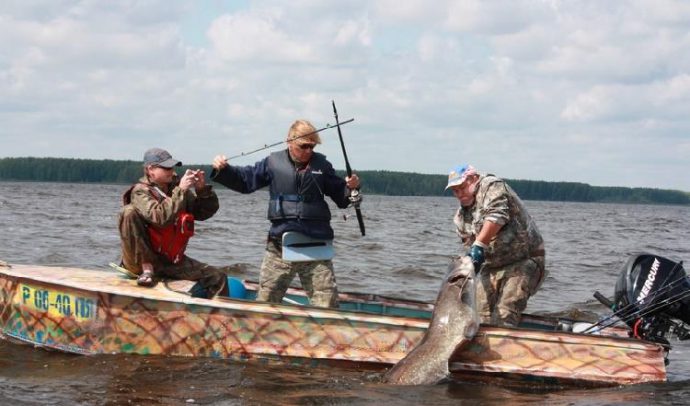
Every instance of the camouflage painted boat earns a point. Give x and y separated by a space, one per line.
96 312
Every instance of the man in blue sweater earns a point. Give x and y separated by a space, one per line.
298 179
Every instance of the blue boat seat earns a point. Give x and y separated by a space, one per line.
236 288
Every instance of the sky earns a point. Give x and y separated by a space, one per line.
580 91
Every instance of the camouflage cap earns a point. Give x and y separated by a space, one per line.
160 157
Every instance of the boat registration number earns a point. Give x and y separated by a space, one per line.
56 303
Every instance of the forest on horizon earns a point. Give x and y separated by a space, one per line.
373 182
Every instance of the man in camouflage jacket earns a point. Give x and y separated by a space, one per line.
155 201
503 241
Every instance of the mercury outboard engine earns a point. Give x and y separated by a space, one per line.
652 296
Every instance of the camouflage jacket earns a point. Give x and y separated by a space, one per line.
160 210
519 237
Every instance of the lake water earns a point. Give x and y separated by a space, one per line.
405 253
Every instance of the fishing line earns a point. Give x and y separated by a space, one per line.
624 315
328 126
619 312
646 312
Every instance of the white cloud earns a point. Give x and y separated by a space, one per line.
675 90
249 37
408 12
661 100
494 17
590 105
513 86
353 31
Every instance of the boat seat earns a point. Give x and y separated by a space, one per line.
236 288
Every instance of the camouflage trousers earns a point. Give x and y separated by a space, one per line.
317 278
502 293
136 250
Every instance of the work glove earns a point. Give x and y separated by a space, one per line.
476 252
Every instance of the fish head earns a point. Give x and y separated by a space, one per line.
460 270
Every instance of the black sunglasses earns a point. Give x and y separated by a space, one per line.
307 146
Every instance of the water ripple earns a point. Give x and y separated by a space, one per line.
406 252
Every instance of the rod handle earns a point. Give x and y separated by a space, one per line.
604 300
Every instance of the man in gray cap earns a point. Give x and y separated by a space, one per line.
157 220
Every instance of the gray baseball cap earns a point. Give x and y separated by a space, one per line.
160 157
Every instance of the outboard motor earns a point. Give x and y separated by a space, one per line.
652 296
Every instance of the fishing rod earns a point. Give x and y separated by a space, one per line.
652 308
355 197
624 312
628 312
677 326
653 304
328 126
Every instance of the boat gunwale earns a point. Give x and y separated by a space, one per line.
539 335
306 311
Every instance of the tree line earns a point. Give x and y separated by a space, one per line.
373 182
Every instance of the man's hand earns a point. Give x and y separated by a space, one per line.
476 252
188 180
199 180
220 162
352 181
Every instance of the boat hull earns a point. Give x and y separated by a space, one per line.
558 357
93 312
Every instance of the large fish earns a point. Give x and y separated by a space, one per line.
454 323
